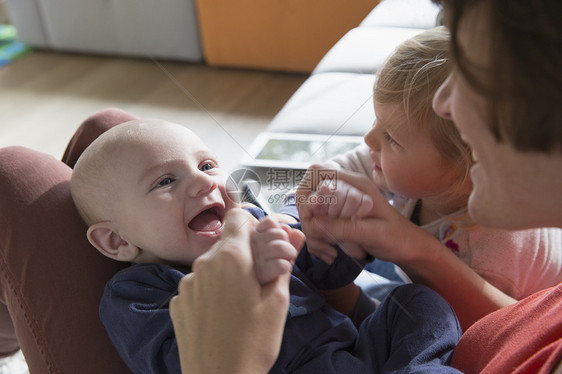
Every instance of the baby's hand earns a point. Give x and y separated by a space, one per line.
283 218
275 248
337 199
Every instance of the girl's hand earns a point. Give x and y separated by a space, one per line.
339 199
336 199
381 231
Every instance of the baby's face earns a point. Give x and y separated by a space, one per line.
172 197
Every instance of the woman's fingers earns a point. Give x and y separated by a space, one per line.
223 280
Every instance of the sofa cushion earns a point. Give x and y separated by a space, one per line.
52 277
364 49
421 14
329 103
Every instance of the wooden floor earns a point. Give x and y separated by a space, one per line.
44 96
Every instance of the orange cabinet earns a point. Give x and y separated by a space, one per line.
285 35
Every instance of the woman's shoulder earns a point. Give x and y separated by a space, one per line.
494 342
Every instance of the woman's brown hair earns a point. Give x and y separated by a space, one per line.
523 83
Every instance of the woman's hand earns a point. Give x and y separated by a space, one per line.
224 320
381 230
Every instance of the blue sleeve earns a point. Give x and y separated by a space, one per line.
290 207
340 273
256 212
135 312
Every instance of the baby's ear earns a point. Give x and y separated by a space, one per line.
109 242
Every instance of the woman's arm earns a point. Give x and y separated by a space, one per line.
224 320
470 295
387 235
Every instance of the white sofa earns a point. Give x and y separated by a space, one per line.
333 108
336 99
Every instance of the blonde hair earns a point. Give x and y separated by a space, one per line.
411 76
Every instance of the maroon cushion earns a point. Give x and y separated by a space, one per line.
51 277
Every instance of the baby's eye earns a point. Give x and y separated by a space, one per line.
207 166
166 181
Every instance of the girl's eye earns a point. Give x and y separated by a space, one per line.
207 166
166 181
389 138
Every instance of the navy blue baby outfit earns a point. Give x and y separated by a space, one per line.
413 331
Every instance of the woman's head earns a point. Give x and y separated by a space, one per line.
504 95
403 94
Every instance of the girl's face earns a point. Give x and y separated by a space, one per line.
511 189
405 161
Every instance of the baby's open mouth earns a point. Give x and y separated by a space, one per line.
209 220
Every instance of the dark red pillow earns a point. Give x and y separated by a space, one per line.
51 278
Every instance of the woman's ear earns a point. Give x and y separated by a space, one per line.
109 242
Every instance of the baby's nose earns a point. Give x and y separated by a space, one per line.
202 184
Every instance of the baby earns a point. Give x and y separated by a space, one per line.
151 191
153 194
